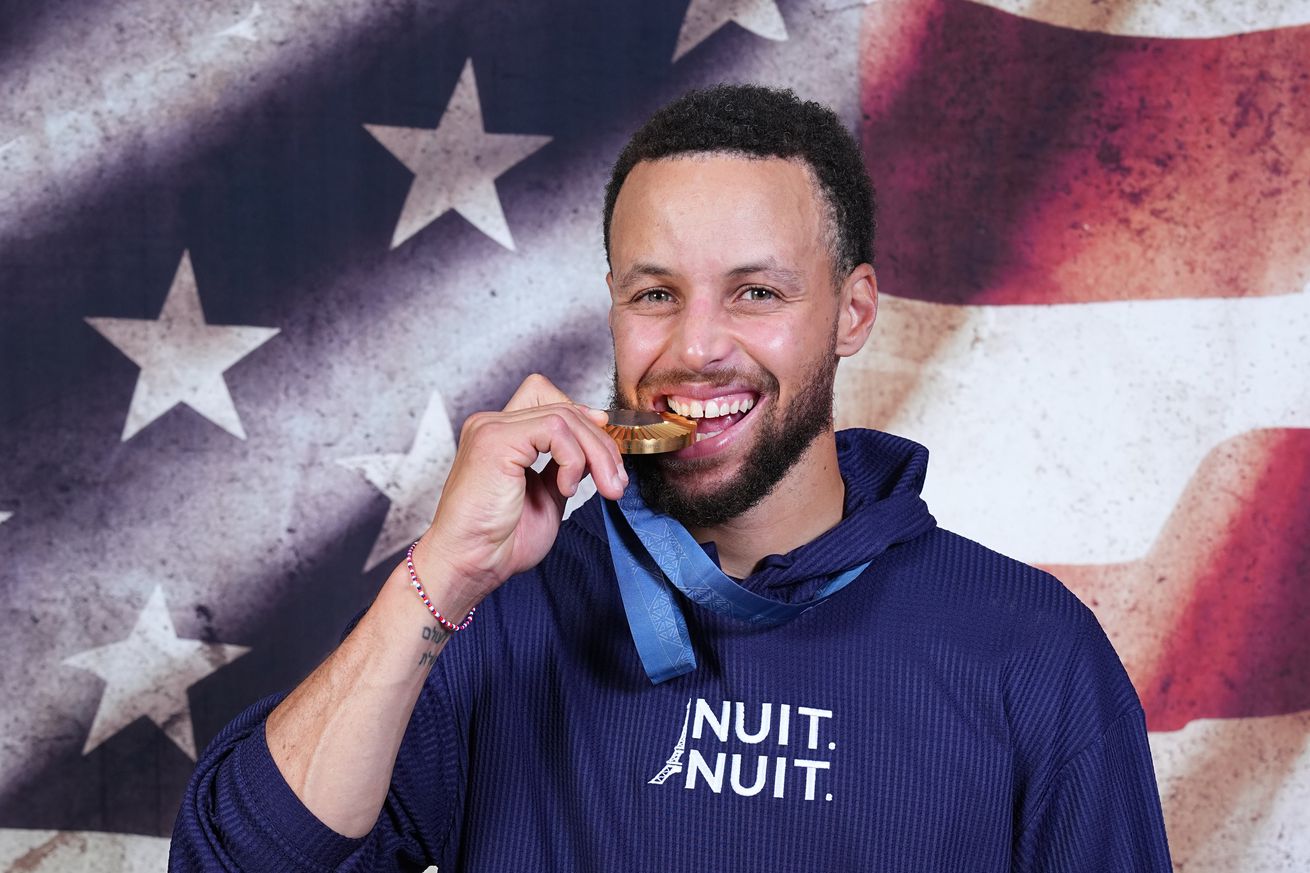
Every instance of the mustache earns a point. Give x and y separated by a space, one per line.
761 381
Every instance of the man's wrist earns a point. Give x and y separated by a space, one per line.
452 592
452 589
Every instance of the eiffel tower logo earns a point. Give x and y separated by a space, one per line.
673 766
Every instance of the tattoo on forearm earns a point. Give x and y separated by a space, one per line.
436 635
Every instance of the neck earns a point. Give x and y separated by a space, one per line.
806 503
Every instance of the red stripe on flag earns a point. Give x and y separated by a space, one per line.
1215 621
1019 162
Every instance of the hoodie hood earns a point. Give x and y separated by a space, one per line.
883 508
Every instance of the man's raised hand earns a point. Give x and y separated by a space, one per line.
497 516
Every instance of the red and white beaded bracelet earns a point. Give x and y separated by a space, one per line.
418 586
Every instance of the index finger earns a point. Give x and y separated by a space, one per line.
536 390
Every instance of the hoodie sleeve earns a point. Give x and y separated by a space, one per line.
239 814
1101 811
1089 800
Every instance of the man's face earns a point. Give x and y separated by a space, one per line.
723 308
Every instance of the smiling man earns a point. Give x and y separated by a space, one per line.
756 653
728 290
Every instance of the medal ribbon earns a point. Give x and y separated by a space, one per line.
653 554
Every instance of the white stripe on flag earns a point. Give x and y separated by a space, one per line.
1038 416
1187 19
32 851
1236 792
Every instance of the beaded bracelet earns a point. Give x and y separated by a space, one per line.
418 586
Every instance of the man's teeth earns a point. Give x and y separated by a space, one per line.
710 408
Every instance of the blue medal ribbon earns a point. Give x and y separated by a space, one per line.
653 554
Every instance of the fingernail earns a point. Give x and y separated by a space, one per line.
620 480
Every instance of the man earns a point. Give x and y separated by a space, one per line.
758 653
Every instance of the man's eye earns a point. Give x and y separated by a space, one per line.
655 295
758 292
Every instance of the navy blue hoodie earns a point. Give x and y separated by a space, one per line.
951 709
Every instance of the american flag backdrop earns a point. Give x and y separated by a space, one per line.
259 260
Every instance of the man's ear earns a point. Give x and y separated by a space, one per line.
609 283
858 310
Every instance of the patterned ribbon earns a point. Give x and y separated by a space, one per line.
653 554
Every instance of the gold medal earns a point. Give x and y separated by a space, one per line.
639 432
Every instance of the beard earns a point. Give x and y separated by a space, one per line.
780 440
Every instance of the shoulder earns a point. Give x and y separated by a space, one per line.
959 580
1063 685
580 554
583 531
1061 680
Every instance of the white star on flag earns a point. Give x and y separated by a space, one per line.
455 165
245 28
411 481
704 17
182 359
148 674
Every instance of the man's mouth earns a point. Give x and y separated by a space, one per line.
713 415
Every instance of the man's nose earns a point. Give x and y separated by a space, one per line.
703 337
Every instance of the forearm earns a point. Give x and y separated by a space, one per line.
335 737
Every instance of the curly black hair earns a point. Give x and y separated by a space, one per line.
756 121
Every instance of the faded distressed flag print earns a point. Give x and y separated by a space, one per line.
259 260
